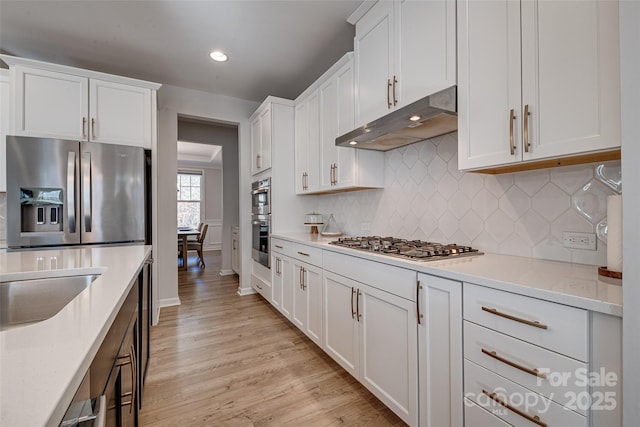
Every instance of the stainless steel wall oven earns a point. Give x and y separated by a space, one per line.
261 221
261 197
261 235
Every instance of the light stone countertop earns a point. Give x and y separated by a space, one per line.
577 285
42 364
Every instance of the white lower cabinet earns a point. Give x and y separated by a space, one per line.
475 416
530 361
307 300
372 334
440 351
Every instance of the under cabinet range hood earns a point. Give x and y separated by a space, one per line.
431 116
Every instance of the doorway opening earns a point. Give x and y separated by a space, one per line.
207 191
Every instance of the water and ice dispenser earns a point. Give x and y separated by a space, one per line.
41 210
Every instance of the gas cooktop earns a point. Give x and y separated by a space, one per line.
416 250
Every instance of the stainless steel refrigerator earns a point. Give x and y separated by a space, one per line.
62 192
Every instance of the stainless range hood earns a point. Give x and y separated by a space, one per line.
426 118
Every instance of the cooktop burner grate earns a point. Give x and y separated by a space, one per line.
417 250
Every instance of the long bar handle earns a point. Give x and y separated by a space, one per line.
134 376
526 128
86 190
418 287
388 93
93 128
530 371
533 323
395 82
71 191
84 127
303 253
353 313
534 419
512 118
358 315
258 161
302 278
278 246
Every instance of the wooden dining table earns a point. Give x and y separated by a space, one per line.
183 234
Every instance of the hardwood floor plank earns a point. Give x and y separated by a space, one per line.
220 359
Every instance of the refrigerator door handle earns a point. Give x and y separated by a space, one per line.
71 190
86 184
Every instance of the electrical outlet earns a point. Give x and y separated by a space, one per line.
586 241
365 226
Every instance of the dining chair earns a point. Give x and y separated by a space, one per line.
195 238
198 245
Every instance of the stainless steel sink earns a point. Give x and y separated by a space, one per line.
23 302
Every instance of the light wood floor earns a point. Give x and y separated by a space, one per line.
224 360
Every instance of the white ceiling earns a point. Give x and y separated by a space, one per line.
194 152
274 47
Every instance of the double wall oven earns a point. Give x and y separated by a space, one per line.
261 221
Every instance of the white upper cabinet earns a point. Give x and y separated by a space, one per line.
261 140
404 51
307 143
4 126
324 112
425 57
373 50
120 114
537 80
270 123
51 104
55 101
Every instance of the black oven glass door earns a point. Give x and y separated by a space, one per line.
260 236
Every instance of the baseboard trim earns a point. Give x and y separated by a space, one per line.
169 302
227 272
246 291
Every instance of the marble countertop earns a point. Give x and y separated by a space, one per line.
42 364
577 285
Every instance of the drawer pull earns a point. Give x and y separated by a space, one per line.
533 371
302 253
535 419
278 246
533 323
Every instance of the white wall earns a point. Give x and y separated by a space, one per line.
174 101
630 91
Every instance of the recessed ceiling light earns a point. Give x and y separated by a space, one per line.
219 56
415 118
352 143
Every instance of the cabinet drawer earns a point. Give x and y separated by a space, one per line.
475 416
262 287
305 253
284 247
479 383
395 280
515 359
554 326
308 254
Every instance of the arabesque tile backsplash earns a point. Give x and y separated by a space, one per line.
524 213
